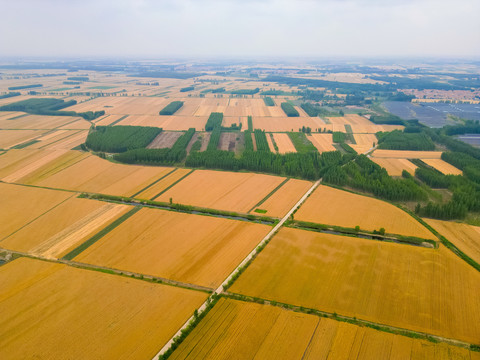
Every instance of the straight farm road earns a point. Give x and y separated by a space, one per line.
249 257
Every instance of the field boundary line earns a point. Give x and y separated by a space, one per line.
156 181
172 185
269 194
234 273
100 234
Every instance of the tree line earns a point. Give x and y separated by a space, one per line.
307 166
10 94
399 140
289 109
214 120
363 174
166 156
171 108
24 87
268 101
50 107
116 139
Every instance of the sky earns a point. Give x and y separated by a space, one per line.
240 28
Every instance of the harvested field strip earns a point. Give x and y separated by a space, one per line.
77 314
442 166
13 160
155 182
63 227
195 249
257 331
172 185
270 194
335 274
66 160
100 234
61 243
331 206
25 171
465 237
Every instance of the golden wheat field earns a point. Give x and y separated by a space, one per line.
166 179
11 138
442 166
465 237
222 190
36 122
63 227
80 124
235 329
331 206
284 198
38 170
422 289
21 205
358 124
323 142
284 143
51 139
53 311
364 142
170 123
406 154
196 249
71 141
271 146
284 123
395 167
49 156
123 105
15 159
93 174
